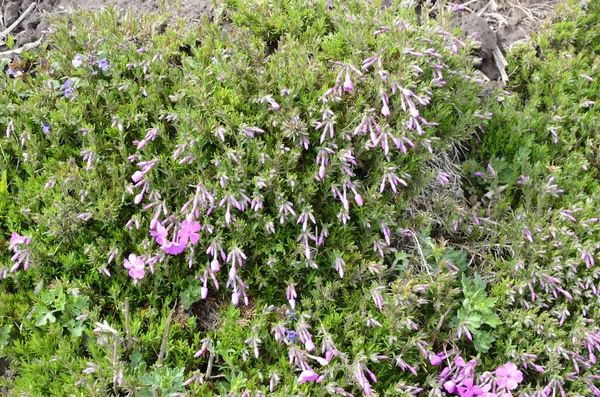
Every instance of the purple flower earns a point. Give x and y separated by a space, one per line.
103 64
13 74
135 265
235 298
291 295
469 389
450 386
189 230
160 235
174 248
359 200
291 335
443 178
435 359
385 110
215 266
509 376
46 128
348 84
308 375
16 239
67 88
77 61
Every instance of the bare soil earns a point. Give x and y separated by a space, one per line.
31 27
494 23
500 23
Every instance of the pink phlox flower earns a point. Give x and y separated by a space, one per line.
16 239
308 375
362 380
160 234
135 265
469 389
323 361
174 248
509 376
435 359
348 84
450 386
189 231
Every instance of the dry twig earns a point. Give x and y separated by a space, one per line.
16 23
25 48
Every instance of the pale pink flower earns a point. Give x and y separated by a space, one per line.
215 266
509 376
16 239
359 200
160 235
348 84
308 375
385 110
174 248
135 265
189 231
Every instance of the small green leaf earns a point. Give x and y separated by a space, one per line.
5 335
483 341
4 183
10 42
191 294
44 317
492 320
75 327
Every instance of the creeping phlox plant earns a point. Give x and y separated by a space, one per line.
296 174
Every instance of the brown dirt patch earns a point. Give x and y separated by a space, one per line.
500 23
35 21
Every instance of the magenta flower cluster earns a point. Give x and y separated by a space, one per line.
459 379
19 245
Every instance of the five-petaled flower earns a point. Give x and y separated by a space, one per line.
103 64
135 265
509 376
189 231
77 61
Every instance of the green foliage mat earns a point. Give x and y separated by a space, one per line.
305 168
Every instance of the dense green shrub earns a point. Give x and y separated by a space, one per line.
541 251
316 238
293 143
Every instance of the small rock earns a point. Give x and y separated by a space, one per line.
490 69
509 34
11 13
25 4
25 36
45 5
471 24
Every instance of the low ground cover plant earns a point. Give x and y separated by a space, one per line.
279 209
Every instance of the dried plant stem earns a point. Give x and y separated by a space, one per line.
437 329
25 48
421 255
115 363
165 339
127 325
501 63
209 366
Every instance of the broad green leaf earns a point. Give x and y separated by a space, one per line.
44 316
